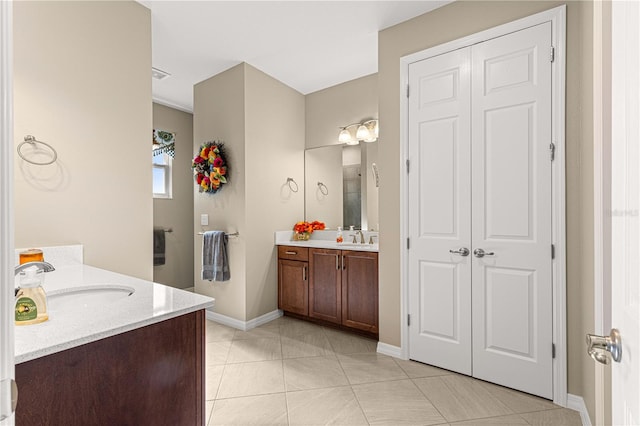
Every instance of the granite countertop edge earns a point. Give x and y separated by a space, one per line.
150 303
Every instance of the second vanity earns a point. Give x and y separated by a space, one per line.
330 283
107 357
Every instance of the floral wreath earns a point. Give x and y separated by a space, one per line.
210 167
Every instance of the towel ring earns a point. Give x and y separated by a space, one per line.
33 141
323 188
291 183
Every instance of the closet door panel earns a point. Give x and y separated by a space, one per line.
511 187
439 211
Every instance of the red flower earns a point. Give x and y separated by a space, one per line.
198 159
199 178
317 225
301 227
217 162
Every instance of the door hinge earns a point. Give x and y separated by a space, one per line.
553 251
407 163
407 90
408 319
408 244
552 56
552 148
553 350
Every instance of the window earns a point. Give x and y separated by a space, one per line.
163 150
161 176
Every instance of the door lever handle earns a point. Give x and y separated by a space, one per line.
598 346
9 398
462 251
481 253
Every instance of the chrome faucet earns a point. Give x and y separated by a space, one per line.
46 266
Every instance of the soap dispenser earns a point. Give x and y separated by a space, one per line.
31 300
339 238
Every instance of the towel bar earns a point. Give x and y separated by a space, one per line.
234 234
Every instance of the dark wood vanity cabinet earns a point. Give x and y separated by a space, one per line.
339 286
325 291
293 279
152 375
360 290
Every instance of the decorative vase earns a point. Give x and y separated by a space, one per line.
301 236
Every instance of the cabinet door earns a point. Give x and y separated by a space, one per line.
293 292
360 290
325 296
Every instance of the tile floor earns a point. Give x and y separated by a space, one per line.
291 372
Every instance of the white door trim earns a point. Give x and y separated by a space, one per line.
557 17
601 187
6 195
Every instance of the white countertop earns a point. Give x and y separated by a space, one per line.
149 304
327 240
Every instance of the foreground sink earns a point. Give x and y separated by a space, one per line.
87 297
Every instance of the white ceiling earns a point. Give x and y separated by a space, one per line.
307 45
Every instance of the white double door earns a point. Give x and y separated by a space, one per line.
479 146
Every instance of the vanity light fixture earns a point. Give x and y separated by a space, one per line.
366 131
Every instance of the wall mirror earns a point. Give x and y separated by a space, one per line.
341 185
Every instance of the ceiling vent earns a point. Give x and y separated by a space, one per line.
159 74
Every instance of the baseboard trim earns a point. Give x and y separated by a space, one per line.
576 403
243 325
390 350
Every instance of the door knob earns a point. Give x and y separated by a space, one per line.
462 251
601 348
481 253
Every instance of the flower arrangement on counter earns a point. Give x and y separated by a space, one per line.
210 167
303 230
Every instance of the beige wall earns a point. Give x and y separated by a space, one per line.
337 106
262 122
448 23
176 213
218 114
84 88
274 116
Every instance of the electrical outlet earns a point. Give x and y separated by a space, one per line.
204 219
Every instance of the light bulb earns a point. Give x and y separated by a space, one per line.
344 136
362 133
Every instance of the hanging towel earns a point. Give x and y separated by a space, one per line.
158 246
215 260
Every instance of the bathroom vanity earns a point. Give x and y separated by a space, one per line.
132 358
329 283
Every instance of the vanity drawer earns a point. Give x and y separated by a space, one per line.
293 253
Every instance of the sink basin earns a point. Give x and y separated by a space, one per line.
87 297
